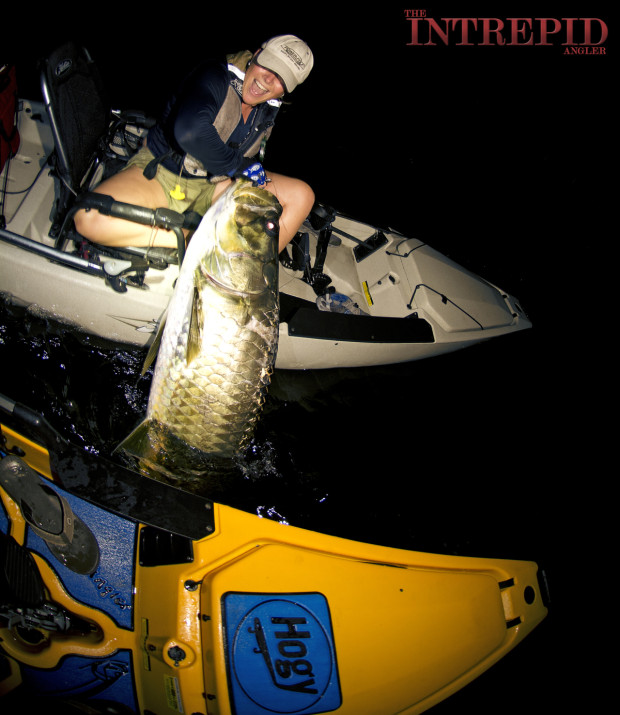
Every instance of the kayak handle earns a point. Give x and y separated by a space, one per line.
164 218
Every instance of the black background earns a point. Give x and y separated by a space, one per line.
497 156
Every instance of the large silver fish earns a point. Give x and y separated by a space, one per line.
219 343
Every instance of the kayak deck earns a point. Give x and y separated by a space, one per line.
411 302
248 615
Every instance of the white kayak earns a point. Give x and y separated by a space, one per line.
350 294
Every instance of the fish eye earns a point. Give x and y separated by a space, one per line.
271 227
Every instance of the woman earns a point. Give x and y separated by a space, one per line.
211 131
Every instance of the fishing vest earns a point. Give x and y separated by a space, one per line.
225 123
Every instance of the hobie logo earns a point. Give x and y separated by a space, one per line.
281 654
62 67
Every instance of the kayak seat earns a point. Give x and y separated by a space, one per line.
91 141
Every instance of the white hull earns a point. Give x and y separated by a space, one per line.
443 307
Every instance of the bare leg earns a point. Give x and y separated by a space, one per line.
296 198
129 186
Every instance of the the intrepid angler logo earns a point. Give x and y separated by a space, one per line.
574 35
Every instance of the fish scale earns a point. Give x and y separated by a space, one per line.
210 384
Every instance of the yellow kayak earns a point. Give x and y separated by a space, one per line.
126 593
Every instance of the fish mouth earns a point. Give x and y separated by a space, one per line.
256 204
260 196
241 262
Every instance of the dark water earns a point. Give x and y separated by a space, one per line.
437 455
491 157
425 455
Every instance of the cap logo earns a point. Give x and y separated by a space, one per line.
293 56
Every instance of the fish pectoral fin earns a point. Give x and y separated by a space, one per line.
154 347
195 324
138 442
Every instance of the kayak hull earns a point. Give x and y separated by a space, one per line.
410 301
255 616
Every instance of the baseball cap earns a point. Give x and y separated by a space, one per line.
288 57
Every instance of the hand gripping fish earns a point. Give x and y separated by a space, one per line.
219 343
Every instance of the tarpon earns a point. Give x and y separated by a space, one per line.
219 343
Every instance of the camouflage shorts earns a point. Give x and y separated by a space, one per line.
198 192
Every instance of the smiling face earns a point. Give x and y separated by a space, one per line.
260 85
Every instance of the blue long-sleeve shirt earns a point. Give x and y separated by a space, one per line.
187 123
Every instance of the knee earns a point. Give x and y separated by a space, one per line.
307 192
95 226
294 194
310 197
304 196
86 223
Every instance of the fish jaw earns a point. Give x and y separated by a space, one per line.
243 256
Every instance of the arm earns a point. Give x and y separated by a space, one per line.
197 108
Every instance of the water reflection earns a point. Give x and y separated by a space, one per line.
417 456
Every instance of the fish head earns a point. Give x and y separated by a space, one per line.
244 251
